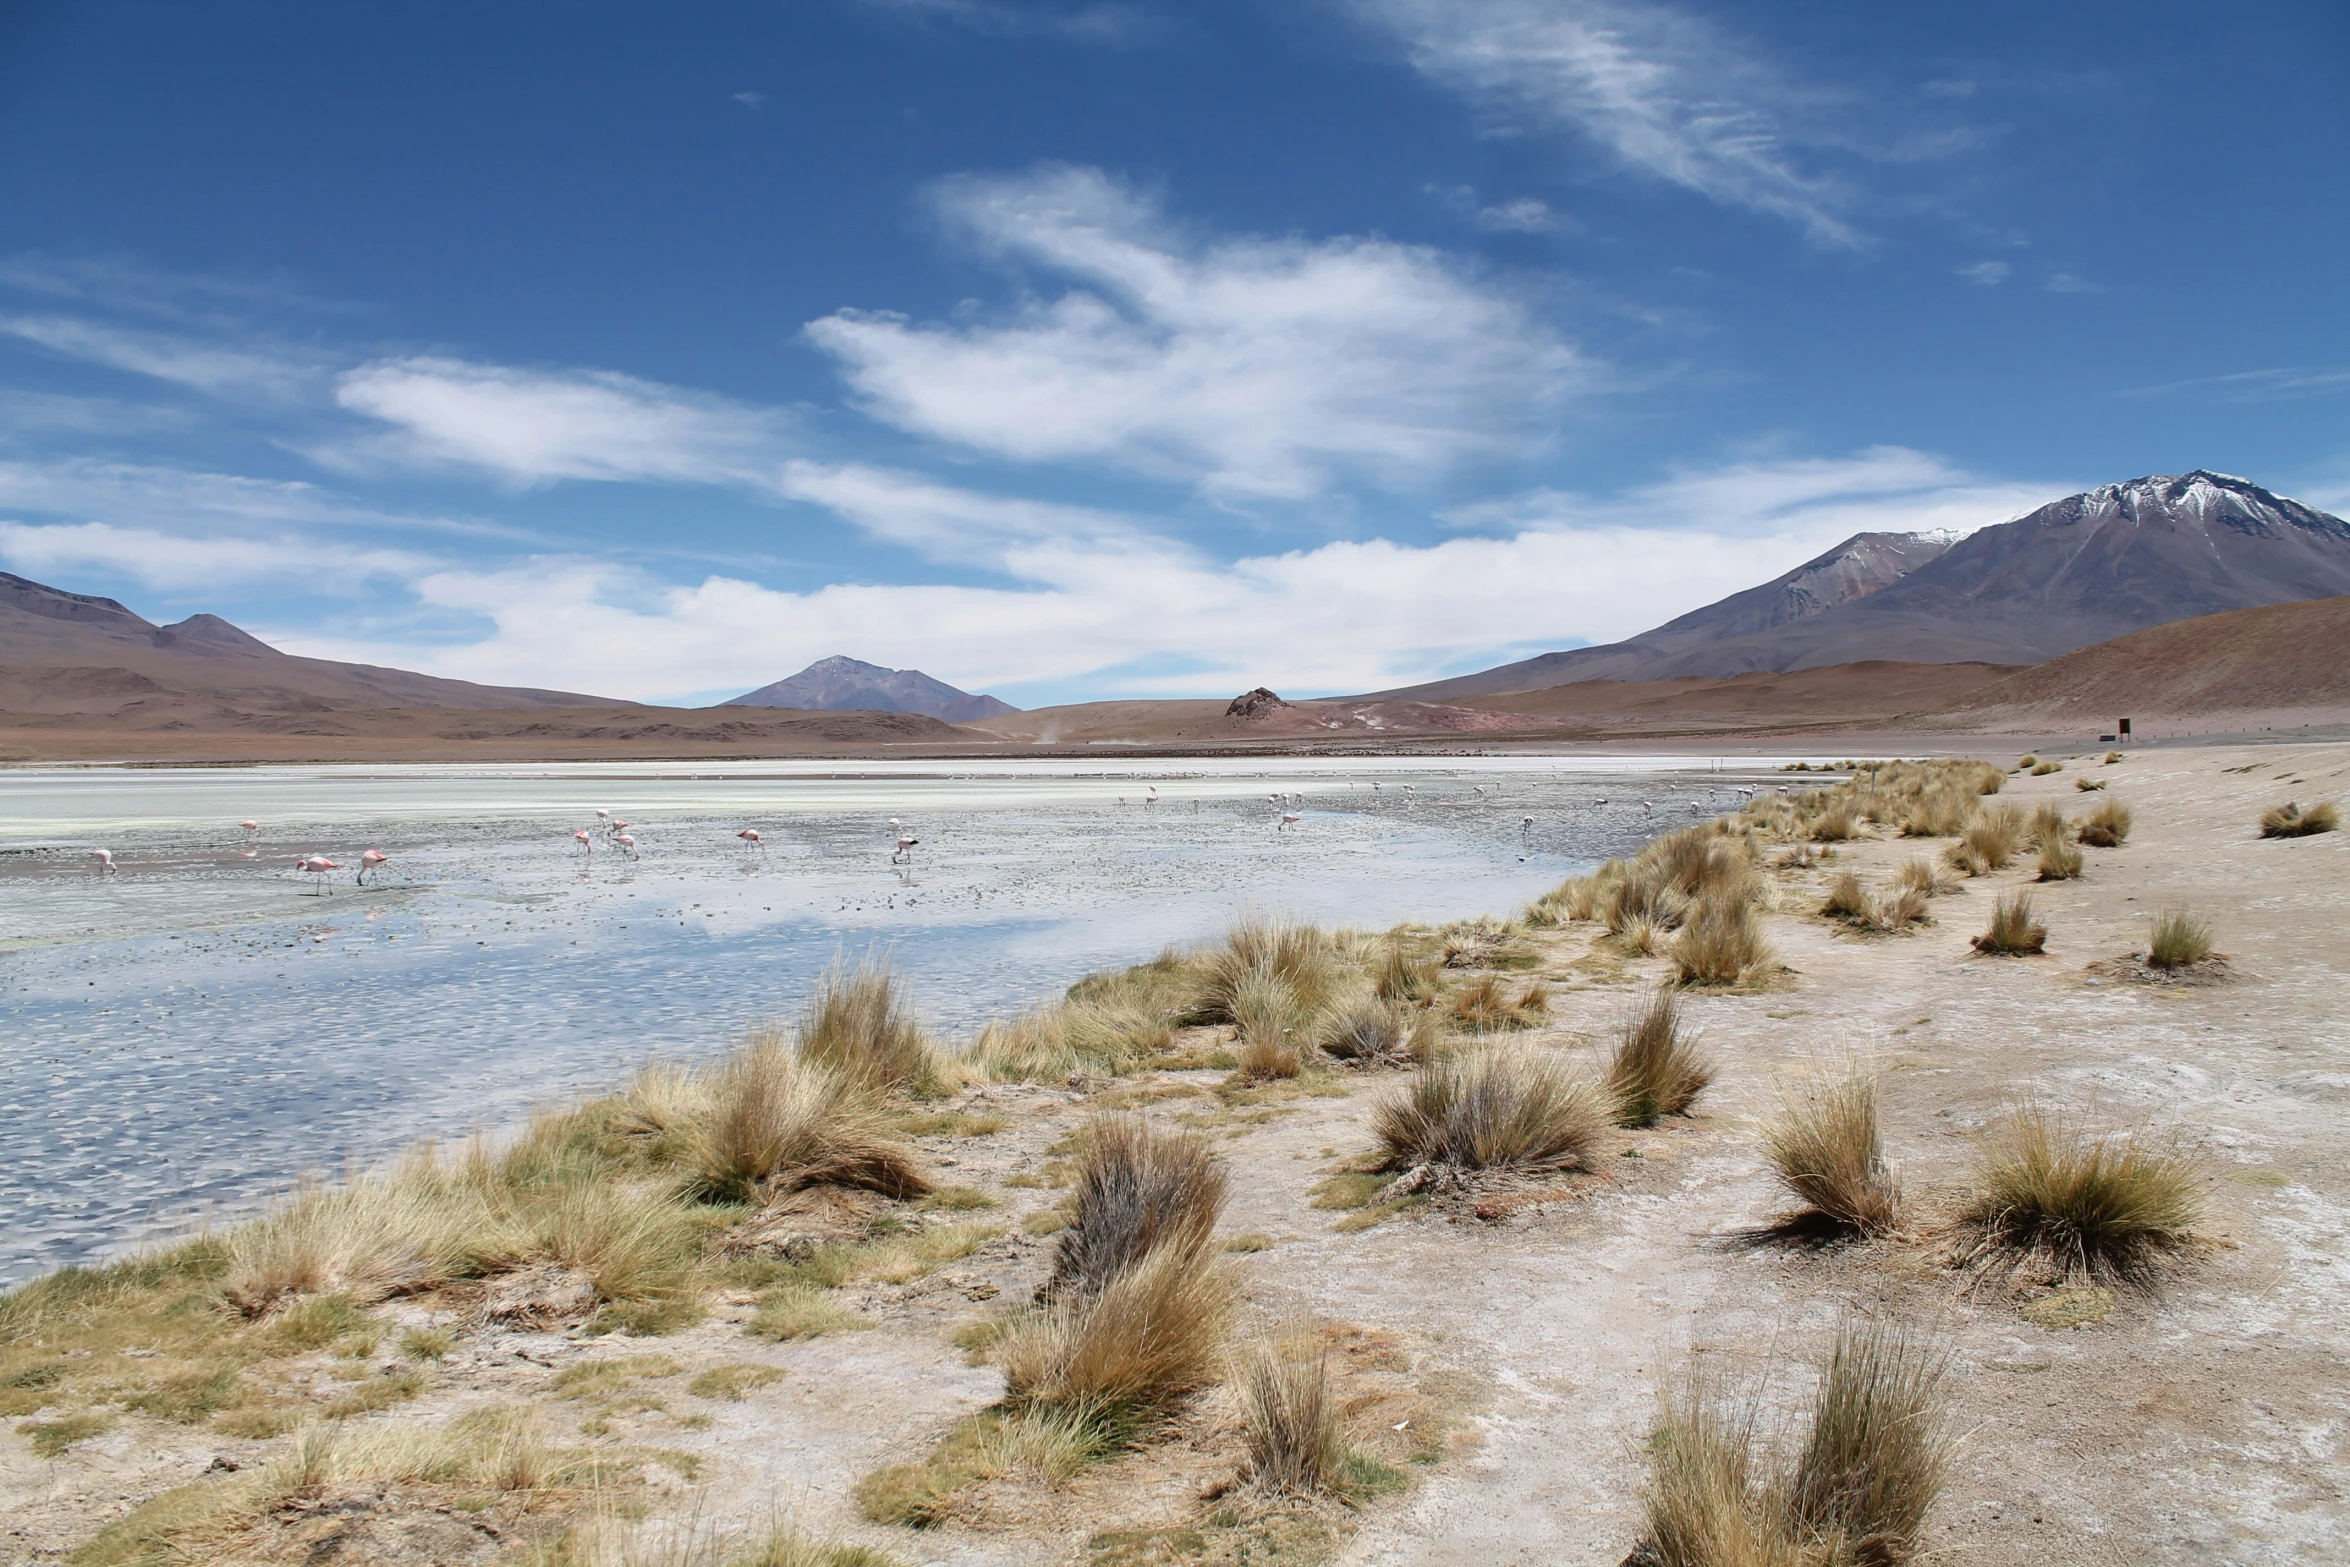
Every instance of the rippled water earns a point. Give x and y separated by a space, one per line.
204 1026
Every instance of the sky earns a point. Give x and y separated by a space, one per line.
1078 349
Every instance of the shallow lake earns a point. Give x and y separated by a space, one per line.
204 1025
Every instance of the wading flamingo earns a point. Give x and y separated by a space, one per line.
587 845
626 843
316 865
751 839
905 848
372 860
1288 820
102 862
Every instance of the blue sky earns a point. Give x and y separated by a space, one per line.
1085 348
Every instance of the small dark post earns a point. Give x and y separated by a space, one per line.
2125 729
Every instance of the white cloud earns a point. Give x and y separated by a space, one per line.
1988 273
2068 283
179 561
535 427
1096 593
1254 367
1110 24
192 362
1525 215
179 498
1666 93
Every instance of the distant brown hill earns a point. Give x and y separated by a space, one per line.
76 653
2282 665
2075 572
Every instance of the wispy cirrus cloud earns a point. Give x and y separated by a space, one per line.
165 560
2251 386
531 427
1667 93
199 363
1109 23
1253 367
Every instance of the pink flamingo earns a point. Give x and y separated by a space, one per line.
626 843
618 827
1288 819
373 859
316 865
252 828
603 815
587 845
905 848
102 861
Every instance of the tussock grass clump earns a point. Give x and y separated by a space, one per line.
1295 1446
1136 1189
774 1121
1656 1069
2179 939
1267 965
1834 826
2087 785
1917 874
859 1023
1486 1005
2047 822
2092 1205
2058 860
1847 899
2290 821
1104 1035
1721 945
1490 1109
2107 827
2112 757
1375 1032
1988 843
2043 769
1402 977
1153 1331
2013 932
1851 1487
1825 1146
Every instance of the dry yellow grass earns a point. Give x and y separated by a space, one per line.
1722 944
2107 827
774 1120
1656 1069
2179 939
1851 1487
2291 821
2013 931
1491 1108
1295 1446
2058 860
859 1023
2109 1205
1825 1146
1137 1189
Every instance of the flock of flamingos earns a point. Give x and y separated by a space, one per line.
618 840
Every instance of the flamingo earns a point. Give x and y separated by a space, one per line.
626 843
1525 824
373 859
905 848
587 845
316 865
603 815
1648 805
750 837
617 828
102 862
252 828
1374 786
1288 820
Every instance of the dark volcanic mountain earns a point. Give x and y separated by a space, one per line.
837 684
2081 570
66 652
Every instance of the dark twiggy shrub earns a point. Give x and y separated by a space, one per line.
1137 1189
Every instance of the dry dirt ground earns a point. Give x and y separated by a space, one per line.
1508 1357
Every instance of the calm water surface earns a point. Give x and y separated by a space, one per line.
186 1036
